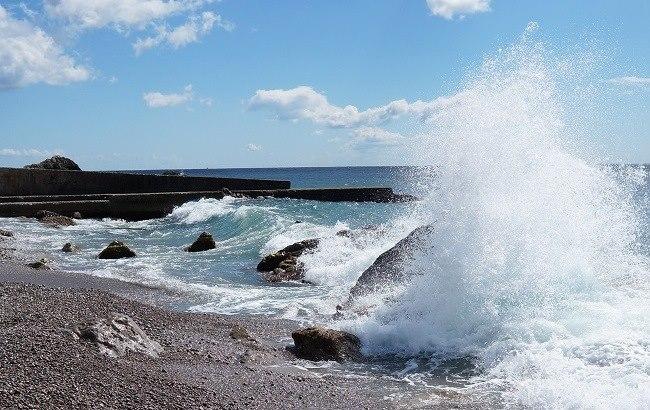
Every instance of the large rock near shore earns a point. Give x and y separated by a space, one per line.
283 265
70 248
54 219
204 242
56 162
319 343
117 335
116 250
388 268
6 234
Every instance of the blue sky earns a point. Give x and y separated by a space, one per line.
131 84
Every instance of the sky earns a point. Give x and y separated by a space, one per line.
153 84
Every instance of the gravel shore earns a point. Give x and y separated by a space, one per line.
43 364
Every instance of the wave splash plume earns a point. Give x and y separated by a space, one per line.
536 270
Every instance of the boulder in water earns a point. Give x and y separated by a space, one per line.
69 248
6 234
117 335
204 242
56 162
54 219
319 343
76 215
116 250
388 268
283 265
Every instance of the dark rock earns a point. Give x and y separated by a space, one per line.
56 162
40 264
204 242
116 335
77 215
346 233
283 265
54 219
319 343
69 247
116 250
6 233
388 268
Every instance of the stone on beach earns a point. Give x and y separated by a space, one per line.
56 162
41 264
54 219
116 250
116 335
283 265
70 247
319 343
204 242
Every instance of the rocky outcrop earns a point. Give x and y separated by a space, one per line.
204 242
388 268
70 248
116 250
76 215
56 162
117 335
54 219
6 234
41 264
283 265
319 343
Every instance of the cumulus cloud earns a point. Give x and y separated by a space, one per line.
631 81
26 152
29 56
305 103
119 13
180 36
156 99
365 136
253 147
448 9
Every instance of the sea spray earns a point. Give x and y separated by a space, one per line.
536 270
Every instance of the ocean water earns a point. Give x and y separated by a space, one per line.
532 290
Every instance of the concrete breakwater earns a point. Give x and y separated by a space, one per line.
24 192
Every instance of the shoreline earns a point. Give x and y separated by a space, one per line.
202 365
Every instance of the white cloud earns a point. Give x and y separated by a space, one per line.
450 8
180 36
373 136
305 103
120 13
253 147
632 81
29 56
155 99
27 152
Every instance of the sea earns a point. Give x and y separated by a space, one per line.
532 290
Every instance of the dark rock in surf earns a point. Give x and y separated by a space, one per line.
117 335
388 268
77 215
283 265
70 248
40 264
54 219
116 250
204 242
56 162
319 343
6 234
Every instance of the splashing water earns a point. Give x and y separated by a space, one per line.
536 270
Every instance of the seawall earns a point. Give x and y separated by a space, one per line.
21 182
